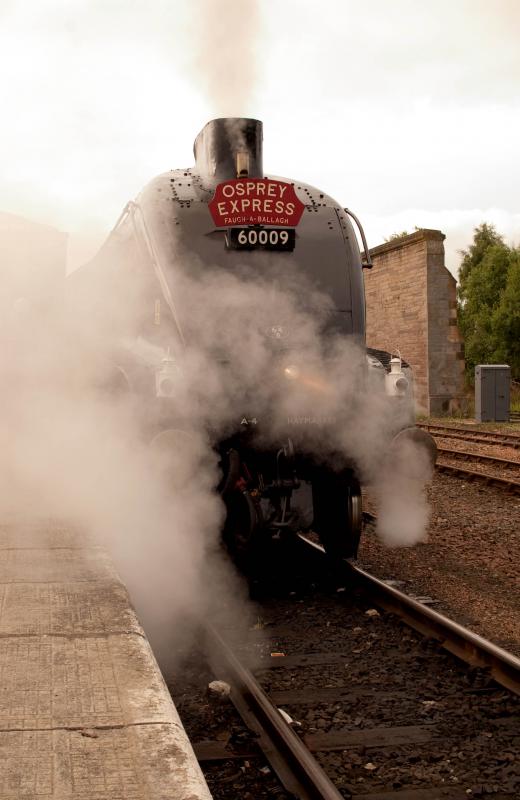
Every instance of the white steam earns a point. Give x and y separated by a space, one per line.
225 46
81 440
72 448
404 512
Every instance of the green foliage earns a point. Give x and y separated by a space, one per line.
506 319
515 396
401 235
395 236
484 237
489 301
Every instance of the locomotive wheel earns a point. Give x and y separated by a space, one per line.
243 521
338 516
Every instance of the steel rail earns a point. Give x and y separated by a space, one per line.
506 462
463 643
477 439
470 430
467 434
293 763
369 518
486 477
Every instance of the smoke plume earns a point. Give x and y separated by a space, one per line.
226 42
85 441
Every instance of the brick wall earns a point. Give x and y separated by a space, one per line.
411 307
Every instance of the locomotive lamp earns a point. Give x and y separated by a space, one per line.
396 382
292 372
166 377
315 382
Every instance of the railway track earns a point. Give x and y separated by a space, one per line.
460 641
293 762
409 673
482 458
509 484
470 435
503 480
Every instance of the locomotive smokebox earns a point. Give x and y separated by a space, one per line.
229 148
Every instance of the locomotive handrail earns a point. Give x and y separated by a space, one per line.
155 262
368 261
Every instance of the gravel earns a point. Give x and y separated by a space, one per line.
470 425
390 678
469 567
507 472
380 676
208 718
469 563
498 450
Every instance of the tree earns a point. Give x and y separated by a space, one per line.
484 237
489 301
506 319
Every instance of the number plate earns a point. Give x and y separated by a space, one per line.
260 238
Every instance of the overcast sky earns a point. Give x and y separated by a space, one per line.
407 111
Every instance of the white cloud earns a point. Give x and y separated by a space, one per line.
387 107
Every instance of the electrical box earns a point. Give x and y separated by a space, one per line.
492 385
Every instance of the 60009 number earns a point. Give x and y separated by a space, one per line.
266 238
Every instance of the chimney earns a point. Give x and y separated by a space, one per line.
229 148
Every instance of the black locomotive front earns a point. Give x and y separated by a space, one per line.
225 220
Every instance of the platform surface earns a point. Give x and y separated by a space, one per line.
84 710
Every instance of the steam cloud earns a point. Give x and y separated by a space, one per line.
225 45
77 446
71 452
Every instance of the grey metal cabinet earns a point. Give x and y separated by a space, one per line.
492 385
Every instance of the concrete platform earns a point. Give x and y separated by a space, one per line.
84 710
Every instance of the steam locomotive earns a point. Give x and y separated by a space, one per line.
278 471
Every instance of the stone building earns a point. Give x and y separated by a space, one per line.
412 308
